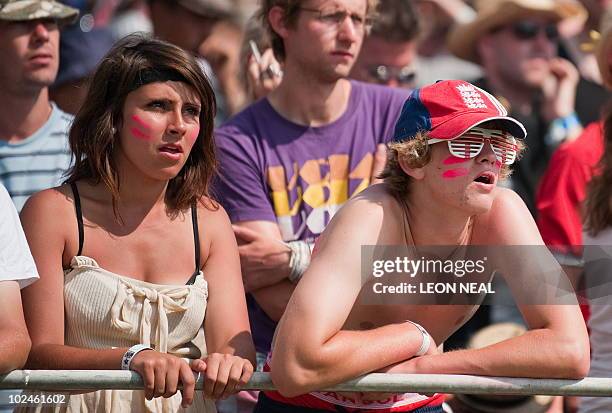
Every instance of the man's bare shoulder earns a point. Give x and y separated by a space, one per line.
375 197
372 215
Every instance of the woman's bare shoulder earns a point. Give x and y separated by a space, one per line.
210 209
54 202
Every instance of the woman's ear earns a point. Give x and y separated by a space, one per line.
276 18
415 173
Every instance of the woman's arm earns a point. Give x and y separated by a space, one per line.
228 336
48 219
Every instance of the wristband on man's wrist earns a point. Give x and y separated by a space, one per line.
426 339
131 352
300 259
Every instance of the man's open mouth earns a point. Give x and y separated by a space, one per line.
487 178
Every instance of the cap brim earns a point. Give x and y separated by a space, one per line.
39 10
454 128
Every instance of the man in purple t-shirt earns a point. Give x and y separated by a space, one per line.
291 160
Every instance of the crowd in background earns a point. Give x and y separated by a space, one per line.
291 153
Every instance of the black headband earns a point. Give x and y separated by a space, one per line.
147 76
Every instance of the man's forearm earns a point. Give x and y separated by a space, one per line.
307 365
537 354
290 269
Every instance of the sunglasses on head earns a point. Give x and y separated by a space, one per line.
470 144
383 74
526 30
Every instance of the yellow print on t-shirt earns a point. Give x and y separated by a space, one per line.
325 194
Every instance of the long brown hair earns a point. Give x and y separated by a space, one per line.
598 206
133 62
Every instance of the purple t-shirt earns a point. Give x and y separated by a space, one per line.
298 176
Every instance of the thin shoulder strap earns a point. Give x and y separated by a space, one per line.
196 240
79 215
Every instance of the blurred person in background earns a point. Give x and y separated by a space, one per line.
389 51
291 160
516 43
435 62
82 46
34 150
128 17
210 29
80 53
597 235
580 46
563 190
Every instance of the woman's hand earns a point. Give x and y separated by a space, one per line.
161 374
224 374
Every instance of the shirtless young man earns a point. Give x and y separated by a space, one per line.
327 336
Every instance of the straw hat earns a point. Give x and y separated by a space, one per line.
494 13
604 48
483 403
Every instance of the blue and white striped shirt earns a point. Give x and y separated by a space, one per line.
37 162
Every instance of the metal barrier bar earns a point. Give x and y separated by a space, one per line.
56 380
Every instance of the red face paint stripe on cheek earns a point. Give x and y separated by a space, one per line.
138 134
451 160
455 173
140 122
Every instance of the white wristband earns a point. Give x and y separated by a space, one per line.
426 339
126 360
300 259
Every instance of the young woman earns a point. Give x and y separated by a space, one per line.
139 268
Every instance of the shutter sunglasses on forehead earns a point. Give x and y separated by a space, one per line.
470 144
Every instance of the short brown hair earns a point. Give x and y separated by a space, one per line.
396 21
291 9
131 63
416 153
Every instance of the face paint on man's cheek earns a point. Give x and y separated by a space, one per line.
452 160
455 173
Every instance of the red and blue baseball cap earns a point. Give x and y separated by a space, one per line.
449 108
